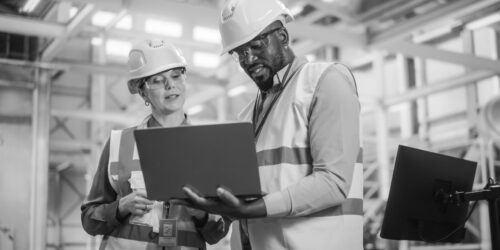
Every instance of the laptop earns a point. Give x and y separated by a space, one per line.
202 156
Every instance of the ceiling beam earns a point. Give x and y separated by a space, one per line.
30 27
335 9
379 10
396 10
131 35
448 12
427 52
74 27
327 35
455 82
115 117
108 69
205 15
304 47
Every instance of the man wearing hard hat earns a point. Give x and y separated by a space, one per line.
306 124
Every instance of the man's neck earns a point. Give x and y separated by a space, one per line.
287 59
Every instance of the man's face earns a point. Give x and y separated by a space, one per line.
261 57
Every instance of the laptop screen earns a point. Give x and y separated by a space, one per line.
203 156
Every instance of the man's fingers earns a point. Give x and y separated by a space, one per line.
193 196
227 197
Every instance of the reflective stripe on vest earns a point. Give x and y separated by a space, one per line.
284 158
123 159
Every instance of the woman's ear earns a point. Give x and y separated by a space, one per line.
143 94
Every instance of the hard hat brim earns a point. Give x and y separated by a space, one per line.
283 18
135 89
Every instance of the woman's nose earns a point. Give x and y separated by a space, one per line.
169 84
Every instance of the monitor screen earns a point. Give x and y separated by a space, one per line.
412 211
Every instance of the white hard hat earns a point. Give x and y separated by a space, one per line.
242 20
150 57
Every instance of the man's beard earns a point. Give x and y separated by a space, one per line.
266 84
276 65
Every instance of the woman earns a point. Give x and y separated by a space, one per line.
116 206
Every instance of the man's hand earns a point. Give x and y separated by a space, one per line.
134 203
229 205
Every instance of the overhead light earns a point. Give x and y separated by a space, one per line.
96 41
483 22
72 12
296 9
160 27
30 5
102 18
205 34
195 110
118 48
311 57
125 23
238 90
206 60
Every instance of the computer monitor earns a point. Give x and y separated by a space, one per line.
413 211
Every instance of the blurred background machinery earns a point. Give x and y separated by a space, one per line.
427 73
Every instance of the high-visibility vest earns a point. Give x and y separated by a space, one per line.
284 158
123 159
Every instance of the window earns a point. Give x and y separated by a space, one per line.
118 48
205 34
102 18
163 28
206 60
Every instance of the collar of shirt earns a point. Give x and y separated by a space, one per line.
151 122
278 80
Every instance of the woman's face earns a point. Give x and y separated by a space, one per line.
166 91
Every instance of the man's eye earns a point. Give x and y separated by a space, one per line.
238 52
256 45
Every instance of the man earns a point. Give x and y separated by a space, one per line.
306 124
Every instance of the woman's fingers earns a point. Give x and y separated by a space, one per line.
139 199
141 192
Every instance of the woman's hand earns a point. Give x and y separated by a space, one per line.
134 203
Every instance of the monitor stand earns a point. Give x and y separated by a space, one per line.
490 193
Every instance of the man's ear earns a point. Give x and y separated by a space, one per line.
283 36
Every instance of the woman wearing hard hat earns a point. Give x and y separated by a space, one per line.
116 206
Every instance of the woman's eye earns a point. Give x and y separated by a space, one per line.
158 80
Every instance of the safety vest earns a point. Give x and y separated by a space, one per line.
284 158
123 159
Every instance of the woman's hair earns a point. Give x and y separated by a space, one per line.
139 82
